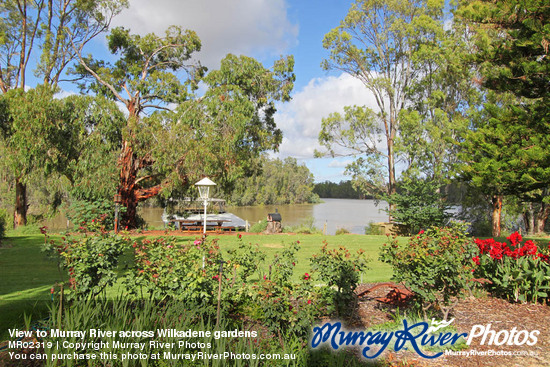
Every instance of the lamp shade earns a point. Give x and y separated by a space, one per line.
204 187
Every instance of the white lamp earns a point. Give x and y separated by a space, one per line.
204 190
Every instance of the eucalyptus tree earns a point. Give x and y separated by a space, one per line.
394 48
184 136
48 31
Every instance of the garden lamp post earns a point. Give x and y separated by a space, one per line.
204 190
118 200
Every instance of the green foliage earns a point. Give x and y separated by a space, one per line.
35 133
165 269
505 152
3 223
259 227
340 271
122 314
247 258
402 54
341 190
90 260
418 205
515 271
86 213
341 231
306 227
286 308
278 182
435 265
374 230
512 39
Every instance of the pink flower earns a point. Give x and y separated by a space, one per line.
306 276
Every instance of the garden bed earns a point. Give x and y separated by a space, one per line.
470 311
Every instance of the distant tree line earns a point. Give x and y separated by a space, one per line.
277 182
341 190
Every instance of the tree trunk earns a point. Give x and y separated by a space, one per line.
130 192
542 217
127 184
529 219
391 177
497 212
21 206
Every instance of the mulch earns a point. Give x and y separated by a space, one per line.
470 311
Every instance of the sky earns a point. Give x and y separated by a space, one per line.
266 30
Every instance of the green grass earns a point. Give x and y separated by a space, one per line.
26 274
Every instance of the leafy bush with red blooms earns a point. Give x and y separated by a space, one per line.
91 261
516 271
435 265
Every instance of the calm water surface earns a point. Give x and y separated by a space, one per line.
350 214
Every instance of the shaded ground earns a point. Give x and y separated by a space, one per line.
501 314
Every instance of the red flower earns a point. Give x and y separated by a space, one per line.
421 231
308 301
306 276
515 238
240 236
476 260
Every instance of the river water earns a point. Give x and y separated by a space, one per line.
353 215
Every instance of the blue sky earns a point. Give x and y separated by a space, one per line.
267 29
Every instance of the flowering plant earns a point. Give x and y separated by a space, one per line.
435 264
91 261
164 268
340 271
516 271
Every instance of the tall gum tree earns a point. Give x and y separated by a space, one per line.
184 136
376 43
46 30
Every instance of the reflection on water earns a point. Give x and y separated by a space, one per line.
350 214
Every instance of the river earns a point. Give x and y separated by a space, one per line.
353 215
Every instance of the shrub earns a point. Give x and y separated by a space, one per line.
246 259
341 231
419 204
307 227
374 229
516 272
91 261
259 227
435 264
285 308
165 269
340 271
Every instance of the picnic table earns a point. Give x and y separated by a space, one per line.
194 225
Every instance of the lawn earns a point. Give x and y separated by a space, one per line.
27 275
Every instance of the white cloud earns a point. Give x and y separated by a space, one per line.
252 27
336 163
300 119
